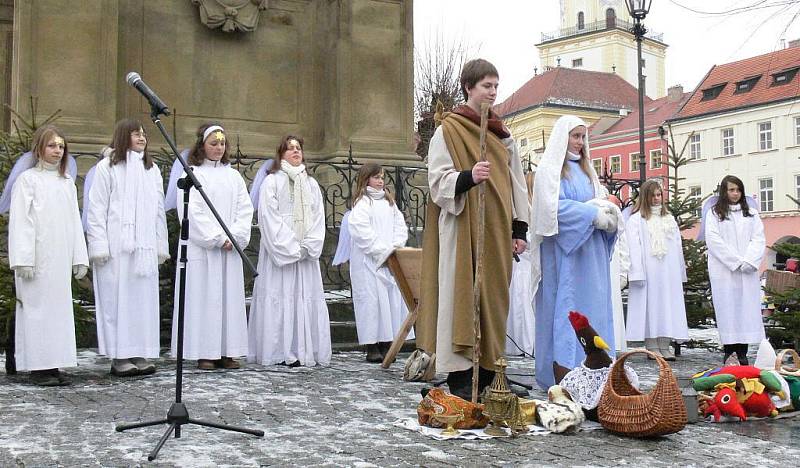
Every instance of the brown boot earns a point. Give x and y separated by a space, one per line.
230 363
206 364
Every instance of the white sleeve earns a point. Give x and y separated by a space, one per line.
442 176
97 217
277 237
21 226
718 247
757 244
314 239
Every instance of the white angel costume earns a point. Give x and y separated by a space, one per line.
45 235
127 239
288 315
376 228
215 321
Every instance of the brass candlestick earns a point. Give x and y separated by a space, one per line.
500 405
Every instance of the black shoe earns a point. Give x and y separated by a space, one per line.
384 346
374 353
460 384
46 378
485 378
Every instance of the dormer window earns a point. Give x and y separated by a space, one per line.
784 76
581 23
713 92
746 84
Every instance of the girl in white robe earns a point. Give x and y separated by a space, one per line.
45 246
735 239
376 228
656 311
289 321
521 323
127 240
215 321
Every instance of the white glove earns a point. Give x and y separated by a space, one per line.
604 221
24 272
100 260
79 271
303 253
623 281
748 268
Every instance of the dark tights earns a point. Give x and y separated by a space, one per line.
741 352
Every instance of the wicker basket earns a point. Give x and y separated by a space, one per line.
627 411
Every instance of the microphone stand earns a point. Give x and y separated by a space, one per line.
178 415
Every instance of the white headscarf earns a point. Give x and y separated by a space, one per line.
546 187
139 205
301 198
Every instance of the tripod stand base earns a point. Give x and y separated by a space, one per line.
177 416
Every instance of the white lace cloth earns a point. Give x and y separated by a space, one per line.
585 386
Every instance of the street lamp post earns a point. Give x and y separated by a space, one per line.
638 9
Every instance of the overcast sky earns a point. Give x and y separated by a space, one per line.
505 32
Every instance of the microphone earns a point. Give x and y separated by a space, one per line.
157 104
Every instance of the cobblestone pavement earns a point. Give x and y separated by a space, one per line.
341 415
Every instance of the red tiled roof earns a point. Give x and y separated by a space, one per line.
655 113
572 87
762 93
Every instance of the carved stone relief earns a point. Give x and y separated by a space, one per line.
231 15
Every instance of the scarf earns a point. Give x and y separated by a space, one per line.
495 124
139 215
375 194
573 157
300 196
660 228
46 166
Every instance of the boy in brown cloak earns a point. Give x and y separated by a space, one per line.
445 321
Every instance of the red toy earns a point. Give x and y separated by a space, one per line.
725 402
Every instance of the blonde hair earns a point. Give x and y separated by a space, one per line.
42 137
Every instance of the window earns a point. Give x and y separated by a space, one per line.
746 84
797 186
634 166
523 142
598 166
696 193
656 159
616 164
713 92
765 136
580 20
784 76
694 146
576 63
765 194
611 18
797 130
727 142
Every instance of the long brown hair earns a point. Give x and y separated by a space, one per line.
362 181
42 137
643 204
122 142
723 206
283 146
197 153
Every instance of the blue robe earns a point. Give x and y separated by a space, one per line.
575 276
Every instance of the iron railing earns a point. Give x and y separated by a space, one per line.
337 180
596 26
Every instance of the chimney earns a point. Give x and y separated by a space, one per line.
675 93
794 43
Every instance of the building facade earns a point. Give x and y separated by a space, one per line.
532 110
744 119
615 147
595 35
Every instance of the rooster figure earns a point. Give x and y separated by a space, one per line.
585 383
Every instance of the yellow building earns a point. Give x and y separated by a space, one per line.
595 35
531 111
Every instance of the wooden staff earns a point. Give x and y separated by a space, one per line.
476 286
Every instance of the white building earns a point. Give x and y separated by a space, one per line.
595 35
744 120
